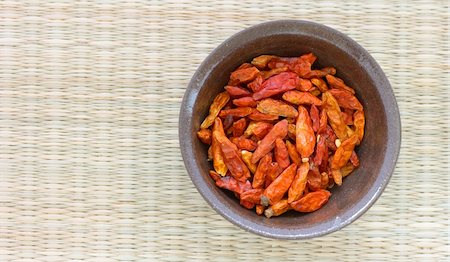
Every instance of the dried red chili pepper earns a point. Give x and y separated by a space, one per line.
320 83
311 201
229 183
305 139
314 179
239 127
343 152
246 101
216 151
347 116
247 157
321 151
230 154
321 73
261 171
236 91
258 116
236 112
293 153
213 174
354 159
205 136
314 114
299 183
277 209
301 98
256 84
359 122
266 74
323 121
273 172
338 83
260 209
276 107
252 195
244 143
262 61
244 75
259 129
219 102
279 130
346 99
334 115
281 153
277 84
276 190
291 131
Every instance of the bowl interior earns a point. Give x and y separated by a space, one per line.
351 67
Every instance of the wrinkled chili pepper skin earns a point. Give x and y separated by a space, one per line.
256 84
231 155
276 190
273 172
276 107
301 98
244 143
260 209
347 116
320 83
281 153
277 84
213 174
279 130
321 73
299 183
344 152
334 115
322 121
277 209
246 101
205 136
314 179
354 159
258 116
244 75
272 72
246 204
293 153
259 129
305 139
247 158
338 83
216 151
261 171
236 91
359 122
314 114
252 195
346 99
321 152
219 102
229 183
311 201
236 112
239 127
262 61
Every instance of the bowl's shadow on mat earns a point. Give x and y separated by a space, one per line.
378 152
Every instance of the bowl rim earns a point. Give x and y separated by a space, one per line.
387 97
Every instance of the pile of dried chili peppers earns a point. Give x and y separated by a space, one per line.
282 134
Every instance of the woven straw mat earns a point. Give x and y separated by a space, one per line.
90 165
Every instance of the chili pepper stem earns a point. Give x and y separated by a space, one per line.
268 212
264 201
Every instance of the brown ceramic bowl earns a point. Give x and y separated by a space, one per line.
378 151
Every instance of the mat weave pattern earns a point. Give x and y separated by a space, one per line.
90 166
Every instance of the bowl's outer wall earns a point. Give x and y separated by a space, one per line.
378 151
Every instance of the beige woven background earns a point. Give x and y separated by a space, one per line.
90 167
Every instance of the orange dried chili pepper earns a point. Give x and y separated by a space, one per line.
301 98
321 73
343 152
244 75
334 115
347 169
277 209
247 158
325 180
338 83
314 114
279 130
321 155
260 209
244 143
277 84
231 155
346 99
303 65
216 151
314 179
281 153
256 84
246 101
272 72
262 61
213 174
252 195
293 153
236 91
359 122
276 107
354 159
219 102
229 183
247 204
276 190
259 129
273 172
291 131
261 171
337 176
311 201
323 121
258 116
236 112
239 127
320 83
299 183
347 116
305 139
205 136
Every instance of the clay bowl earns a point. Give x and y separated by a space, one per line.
378 151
